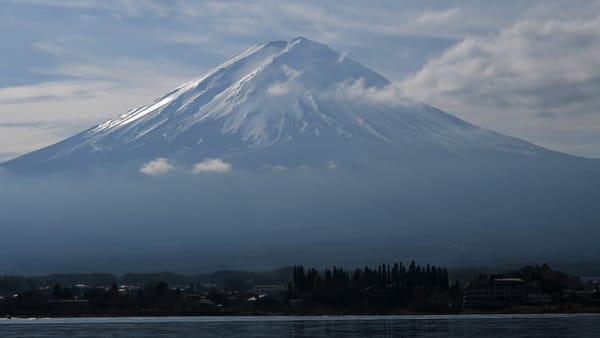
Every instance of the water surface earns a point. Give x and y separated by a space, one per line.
549 325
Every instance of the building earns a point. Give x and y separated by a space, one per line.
538 298
270 290
495 292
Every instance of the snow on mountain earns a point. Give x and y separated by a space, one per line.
277 103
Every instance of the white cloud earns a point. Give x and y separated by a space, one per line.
278 89
215 165
159 166
187 39
439 17
62 3
291 72
282 88
49 111
12 142
274 167
332 164
52 90
513 80
357 91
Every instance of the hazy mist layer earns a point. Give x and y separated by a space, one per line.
442 212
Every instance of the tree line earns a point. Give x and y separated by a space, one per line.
386 286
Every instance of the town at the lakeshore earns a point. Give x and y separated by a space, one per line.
384 289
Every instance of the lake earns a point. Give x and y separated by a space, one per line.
547 325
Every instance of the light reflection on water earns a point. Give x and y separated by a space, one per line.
577 325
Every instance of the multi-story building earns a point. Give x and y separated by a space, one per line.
495 292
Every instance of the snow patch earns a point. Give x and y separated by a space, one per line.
135 114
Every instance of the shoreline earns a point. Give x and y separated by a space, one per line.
510 311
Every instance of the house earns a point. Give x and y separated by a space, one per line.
538 298
270 290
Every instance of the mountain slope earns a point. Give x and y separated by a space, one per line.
278 103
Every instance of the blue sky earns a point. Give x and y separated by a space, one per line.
525 68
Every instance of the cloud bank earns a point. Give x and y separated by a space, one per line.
514 80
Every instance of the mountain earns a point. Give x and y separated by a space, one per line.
410 181
296 103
